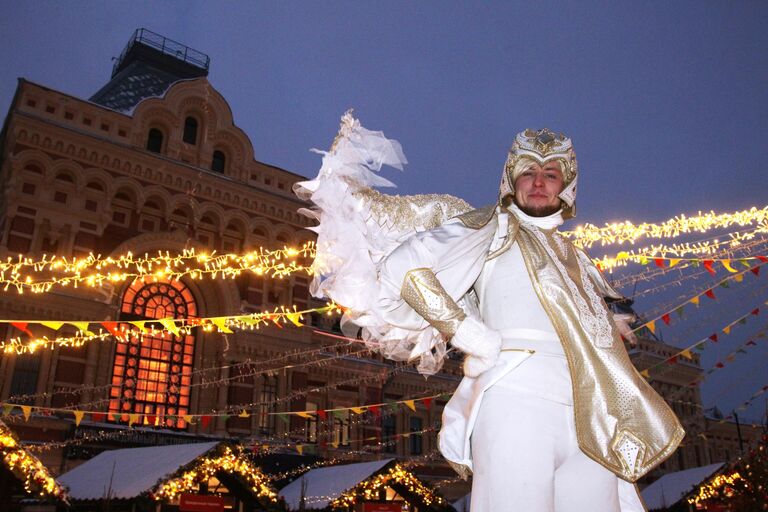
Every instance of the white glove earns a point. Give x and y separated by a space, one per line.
481 344
622 321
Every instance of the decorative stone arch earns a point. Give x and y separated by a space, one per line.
241 221
67 167
284 236
160 197
215 213
33 158
181 211
135 191
151 113
94 175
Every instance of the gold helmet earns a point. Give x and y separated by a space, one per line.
542 146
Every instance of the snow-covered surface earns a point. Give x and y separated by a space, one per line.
670 488
131 470
326 484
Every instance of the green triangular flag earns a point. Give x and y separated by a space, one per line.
679 311
283 417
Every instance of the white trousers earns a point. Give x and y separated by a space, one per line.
524 449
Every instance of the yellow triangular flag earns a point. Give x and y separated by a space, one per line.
300 449
304 415
295 319
358 410
728 267
133 418
335 444
738 278
221 323
410 404
727 329
27 410
78 417
169 324
187 418
244 414
651 326
687 354
645 373
140 325
52 325
673 262
695 300
82 326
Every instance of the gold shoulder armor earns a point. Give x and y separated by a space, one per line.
475 219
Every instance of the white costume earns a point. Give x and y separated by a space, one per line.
403 270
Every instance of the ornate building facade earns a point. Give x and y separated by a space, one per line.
154 162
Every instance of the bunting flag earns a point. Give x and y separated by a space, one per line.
711 294
695 300
666 318
699 345
244 414
78 417
205 421
708 265
410 404
27 411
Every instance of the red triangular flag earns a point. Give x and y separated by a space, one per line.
755 270
659 262
22 326
764 259
205 421
756 311
666 318
98 416
428 403
708 266
709 293
719 365
713 338
672 360
375 410
112 328
751 343
151 419
322 414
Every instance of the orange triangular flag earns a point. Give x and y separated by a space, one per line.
300 449
673 262
695 300
645 373
27 410
358 410
78 417
651 326
133 418
410 404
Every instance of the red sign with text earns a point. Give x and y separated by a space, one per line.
197 503
382 506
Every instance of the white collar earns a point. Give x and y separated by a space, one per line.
548 222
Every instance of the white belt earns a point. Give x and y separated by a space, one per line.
532 340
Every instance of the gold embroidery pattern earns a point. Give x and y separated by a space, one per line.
420 212
423 292
594 321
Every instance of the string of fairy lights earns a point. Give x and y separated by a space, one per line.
735 254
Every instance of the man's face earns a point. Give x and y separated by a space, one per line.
536 189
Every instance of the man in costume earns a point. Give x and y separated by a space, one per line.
551 415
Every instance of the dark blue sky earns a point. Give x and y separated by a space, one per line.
667 102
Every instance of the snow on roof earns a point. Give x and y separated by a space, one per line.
131 470
326 484
670 488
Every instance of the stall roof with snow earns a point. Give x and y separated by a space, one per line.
20 469
672 487
165 472
340 487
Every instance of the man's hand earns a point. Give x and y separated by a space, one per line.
481 344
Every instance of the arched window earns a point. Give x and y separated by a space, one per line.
190 130
218 162
152 374
155 141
